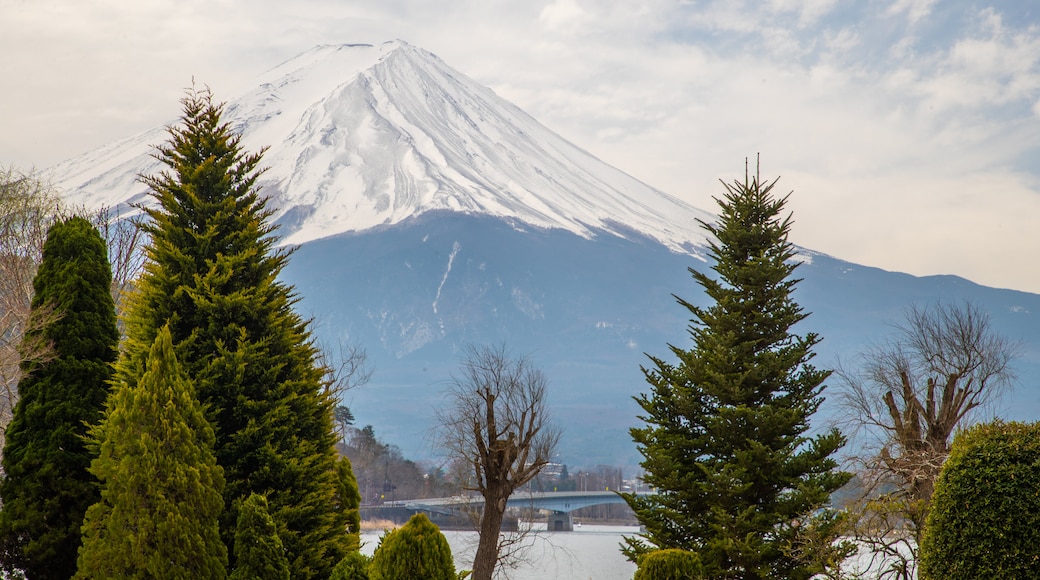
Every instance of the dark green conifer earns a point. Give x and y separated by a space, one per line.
47 487
160 483
260 552
725 440
212 275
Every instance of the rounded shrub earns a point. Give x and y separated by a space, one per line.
985 515
670 564
353 566
417 549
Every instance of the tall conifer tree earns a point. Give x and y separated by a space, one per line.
212 275
725 439
47 487
158 516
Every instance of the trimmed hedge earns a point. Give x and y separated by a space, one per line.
670 564
985 515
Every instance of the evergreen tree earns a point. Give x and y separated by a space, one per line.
417 549
48 487
212 275
348 497
160 482
260 552
725 438
353 566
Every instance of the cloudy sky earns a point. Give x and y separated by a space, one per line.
908 130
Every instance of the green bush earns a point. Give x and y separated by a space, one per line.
353 566
985 517
670 564
417 549
257 545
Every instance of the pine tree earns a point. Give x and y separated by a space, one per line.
47 488
260 552
725 439
212 275
160 483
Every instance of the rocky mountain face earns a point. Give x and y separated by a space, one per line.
429 214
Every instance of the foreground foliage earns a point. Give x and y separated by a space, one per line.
212 276
47 488
725 438
260 552
160 482
670 564
417 549
985 517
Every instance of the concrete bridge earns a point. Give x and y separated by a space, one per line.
559 503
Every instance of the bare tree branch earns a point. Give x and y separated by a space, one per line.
904 401
497 423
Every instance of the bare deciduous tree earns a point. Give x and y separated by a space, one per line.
345 370
27 208
125 239
907 397
497 425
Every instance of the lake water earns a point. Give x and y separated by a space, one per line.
589 552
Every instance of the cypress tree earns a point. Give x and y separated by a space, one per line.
260 552
348 499
725 438
212 276
160 482
47 488
417 549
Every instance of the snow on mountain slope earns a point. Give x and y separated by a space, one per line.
362 136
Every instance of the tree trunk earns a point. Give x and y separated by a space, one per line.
490 527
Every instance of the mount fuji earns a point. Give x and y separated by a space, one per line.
427 214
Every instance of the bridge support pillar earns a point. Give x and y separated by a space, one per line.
559 522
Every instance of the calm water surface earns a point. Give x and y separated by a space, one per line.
589 552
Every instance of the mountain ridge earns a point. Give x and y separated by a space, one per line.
366 135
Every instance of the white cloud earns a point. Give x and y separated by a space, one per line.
560 14
914 10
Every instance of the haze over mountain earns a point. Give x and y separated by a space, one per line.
430 214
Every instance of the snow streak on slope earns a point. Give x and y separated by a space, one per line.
362 136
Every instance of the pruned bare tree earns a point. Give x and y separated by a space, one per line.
497 425
907 398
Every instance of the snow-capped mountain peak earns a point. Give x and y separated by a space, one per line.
362 136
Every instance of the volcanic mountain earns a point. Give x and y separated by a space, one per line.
429 214
364 136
